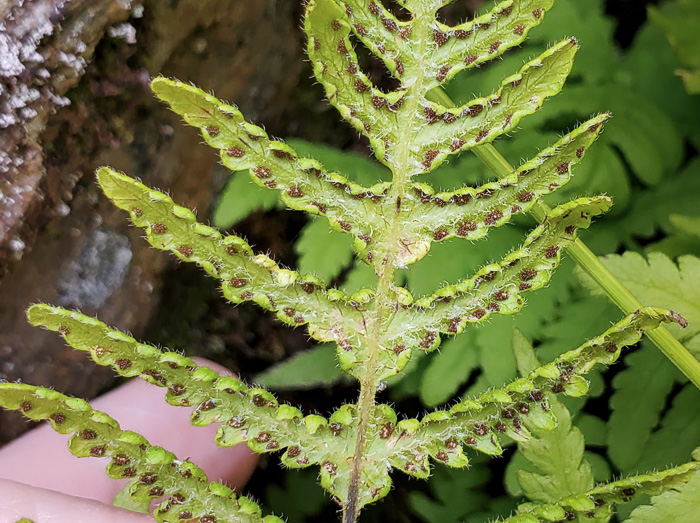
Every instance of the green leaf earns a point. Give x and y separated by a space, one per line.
515 19
686 224
322 251
680 20
480 121
299 499
361 276
242 413
659 84
315 367
455 494
684 240
598 503
160 473
677 435
296 300
593 428
602 472
124 500
524 354
651 209
637 404
470 212
677 504
658 281
557 455
478 421
496 288
454 259
303 183
347 87
448 370
240 198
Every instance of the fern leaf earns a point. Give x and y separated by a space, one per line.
350 91
680 21
558 454
244 277
678 432
597 503
482 120
478 422
486 37
678 503
658 280
385 118
640 396
496 288
189 495
244 414
272 164
380 31
470 212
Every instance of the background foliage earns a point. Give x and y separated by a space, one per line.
640 415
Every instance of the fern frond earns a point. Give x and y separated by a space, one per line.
188 494
407 50
449 131
558 466
598 503
380 31
302 182
470 212
677 502
478 422
486 37
496 288
363 105
243 413
244 277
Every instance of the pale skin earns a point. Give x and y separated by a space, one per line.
40 480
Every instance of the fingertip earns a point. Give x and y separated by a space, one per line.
18 501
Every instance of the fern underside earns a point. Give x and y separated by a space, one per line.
393 225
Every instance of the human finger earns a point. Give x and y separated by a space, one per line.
18 501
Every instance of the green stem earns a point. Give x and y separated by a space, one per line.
590 264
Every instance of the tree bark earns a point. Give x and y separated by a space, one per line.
74 95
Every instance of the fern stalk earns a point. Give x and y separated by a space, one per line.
385 275
589 263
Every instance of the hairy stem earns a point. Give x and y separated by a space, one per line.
591 265
386 270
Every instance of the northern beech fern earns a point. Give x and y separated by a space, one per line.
393 225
